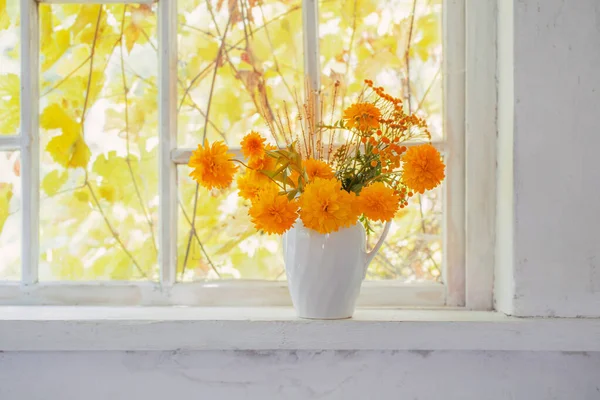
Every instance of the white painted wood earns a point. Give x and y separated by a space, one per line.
208 294
310 26
299 375
30 175
167 51
556 180
480 152
173 329
504 284
10 143
453 271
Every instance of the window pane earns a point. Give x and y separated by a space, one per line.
99 142
369 39
9 67
261 58
10 216
226 245
412 251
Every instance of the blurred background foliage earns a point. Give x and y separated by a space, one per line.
99 128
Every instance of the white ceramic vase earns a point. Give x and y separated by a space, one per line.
325 272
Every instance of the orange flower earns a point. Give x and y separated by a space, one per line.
325 207
272 212
317 169
212 167
252 182
264 163
423 168
378 202
253 146
362 116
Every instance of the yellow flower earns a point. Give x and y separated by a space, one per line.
317 169
325 207
212 167
362 116
253 146
423 168
378 202
272 212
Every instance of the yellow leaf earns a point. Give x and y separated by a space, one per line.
87 17
96 85
10 99
4 20
5 196
107 193
82 195
55 117
46 22
132 33
54 47
68 149
53 181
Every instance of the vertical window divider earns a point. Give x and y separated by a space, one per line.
30 146
167 72
453 271
312 69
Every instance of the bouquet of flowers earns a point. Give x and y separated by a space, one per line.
365 166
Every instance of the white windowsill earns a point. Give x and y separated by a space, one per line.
171 328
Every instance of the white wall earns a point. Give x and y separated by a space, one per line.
556 159
343 375
553 268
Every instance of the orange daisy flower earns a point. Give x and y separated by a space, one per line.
252 182
272 212
423 168
378 202
317 169
362 116
253 146
325 207
212 167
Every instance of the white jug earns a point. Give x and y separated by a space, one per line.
325 271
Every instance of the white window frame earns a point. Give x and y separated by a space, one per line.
469 122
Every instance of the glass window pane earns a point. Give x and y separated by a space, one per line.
412 251
225 245
10 216
369 39
260 66
9 67
99 142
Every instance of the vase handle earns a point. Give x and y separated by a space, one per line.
371 254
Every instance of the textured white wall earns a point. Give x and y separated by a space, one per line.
343 375
556 167
554 266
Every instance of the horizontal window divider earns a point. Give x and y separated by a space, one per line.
182 154
10 143
229 293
